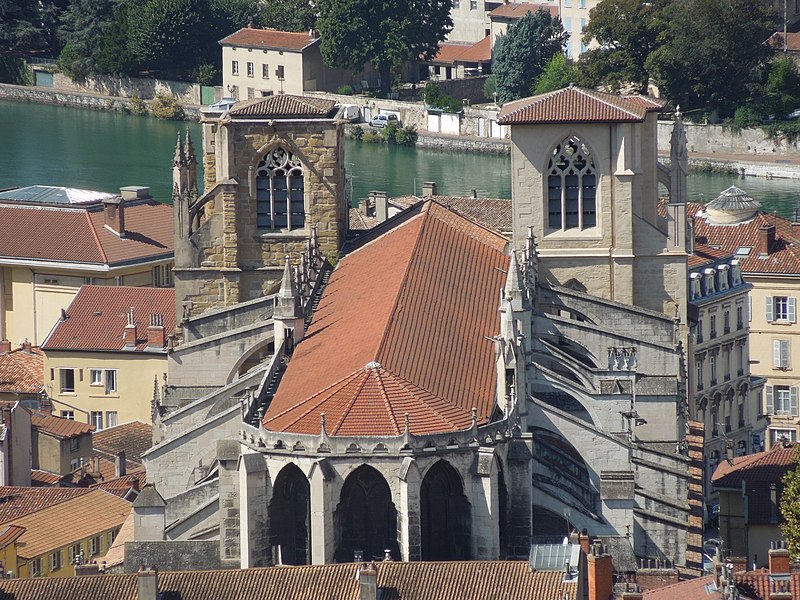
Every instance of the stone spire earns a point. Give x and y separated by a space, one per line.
179 172
515 285
191 163
179 159
288 315
679 161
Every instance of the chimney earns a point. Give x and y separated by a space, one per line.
156 336
474 193
135 484
91 568
114 209
779 563
95 467
428 188
26 346
363 206
368 582
738 563
583 540
120 467
381 206
600 575
129 334
147 583
766 239
5 346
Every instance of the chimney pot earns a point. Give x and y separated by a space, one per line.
114 210
147 583
779 563
156 335
368 582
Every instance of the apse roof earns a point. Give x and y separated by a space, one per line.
735 199
577 105
403 327
284 106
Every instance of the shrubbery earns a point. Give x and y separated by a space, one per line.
166 106
345 90
434 97
391 134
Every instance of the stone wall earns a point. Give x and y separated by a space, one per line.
717 139
468 88
126 87
194 555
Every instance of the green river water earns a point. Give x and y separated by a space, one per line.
54 145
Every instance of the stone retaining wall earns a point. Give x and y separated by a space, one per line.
717 139
125 87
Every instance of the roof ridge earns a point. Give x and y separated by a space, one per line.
597 96
96 237
386 402
351 402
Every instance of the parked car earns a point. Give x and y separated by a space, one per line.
383 119
222 106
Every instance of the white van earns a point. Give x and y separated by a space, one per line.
351 112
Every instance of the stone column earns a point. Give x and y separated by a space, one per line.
229 547
323 505
485 507
520 501
409 533
255 491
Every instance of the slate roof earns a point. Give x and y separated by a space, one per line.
284 106
57 526
75 234
782 257
16 502
577 105
97 316
474 580
22 372
517 10
401 328
494 213
269 39
59 427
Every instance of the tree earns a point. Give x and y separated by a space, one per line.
782 90
627 32
790 506
711 54
21 28
82 29
385 33
289 15
114 56
558 74
524 51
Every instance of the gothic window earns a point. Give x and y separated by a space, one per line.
280 191
445 515
571 187
289 514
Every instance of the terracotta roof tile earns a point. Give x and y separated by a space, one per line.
577 105
133 438
10 534
16 502
517 10
756 584
97 316
494 213
401 327
43 478
451 53
359 221
269 39
57 526
284 106
75 234
704 255
58 426
792 41
693 589
769 466
120 486
473 580
22 372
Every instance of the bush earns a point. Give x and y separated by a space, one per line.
138 106
406 136
206 74
345 90
14 70
490 87
166 106
73 64
373 137
389 132
356 132
434 97
747 116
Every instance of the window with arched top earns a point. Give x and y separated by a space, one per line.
571 187
280 191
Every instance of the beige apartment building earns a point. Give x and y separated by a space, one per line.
768 248
105 356
48 252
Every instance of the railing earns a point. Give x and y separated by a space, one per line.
256 408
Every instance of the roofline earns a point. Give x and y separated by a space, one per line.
87 266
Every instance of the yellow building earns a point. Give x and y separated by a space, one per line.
47 252
105 353
768 249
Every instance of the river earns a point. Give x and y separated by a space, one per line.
54 145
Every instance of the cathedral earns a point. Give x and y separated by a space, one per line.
432 389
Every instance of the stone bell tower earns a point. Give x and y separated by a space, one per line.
274 179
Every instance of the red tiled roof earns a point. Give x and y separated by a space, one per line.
692 589
517 10
22 372
58 426
756 584
77 234
10 534
467 580
450 53
284 106
134 438
494 213
269 39
783 257
792 41
43 478
704 254
16 502
401 327
358 221
577 105
769 466
97 316
120 486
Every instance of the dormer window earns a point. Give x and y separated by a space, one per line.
736 272
571 187
695 287
709 280
280 191
722 271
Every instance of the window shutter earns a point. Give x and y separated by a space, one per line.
784 354
776 354
770 401
792 310
749 308
769 307
794 400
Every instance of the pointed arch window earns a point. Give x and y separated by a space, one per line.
571 186
280 191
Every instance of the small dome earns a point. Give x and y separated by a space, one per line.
732 206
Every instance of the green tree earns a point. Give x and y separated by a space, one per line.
21 28
524 51
114 55
385 33
711 54
288 15
627 32
558 74
782 90
790 506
